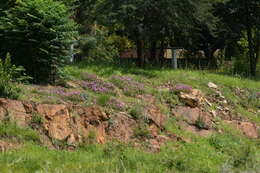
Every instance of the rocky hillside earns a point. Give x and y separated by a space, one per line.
146 111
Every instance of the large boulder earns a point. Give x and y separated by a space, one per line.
194 98
247 128
56 120
14 111
90 120
193 116
121 126
155 115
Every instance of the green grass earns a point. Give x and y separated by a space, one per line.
153 78
196 79
203 155
228 151
223 152
13 132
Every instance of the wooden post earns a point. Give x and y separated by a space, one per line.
174 59
72 52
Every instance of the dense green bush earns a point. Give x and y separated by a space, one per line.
8 75
98 47
38 34
241 65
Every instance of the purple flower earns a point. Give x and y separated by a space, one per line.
182 88
64 93
128 84
117 104
98 86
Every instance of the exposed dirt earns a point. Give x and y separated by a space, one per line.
73 124
6 146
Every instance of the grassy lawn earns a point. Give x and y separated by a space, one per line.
223 152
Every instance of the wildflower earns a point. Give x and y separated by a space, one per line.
116 104
182 88
98 86
129 86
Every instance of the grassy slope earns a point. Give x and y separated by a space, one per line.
225 151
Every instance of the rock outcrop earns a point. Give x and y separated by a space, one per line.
75 124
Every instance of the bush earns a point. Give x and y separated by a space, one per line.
8 74
136 111
38 34
98 47
103 100
241 65
12 131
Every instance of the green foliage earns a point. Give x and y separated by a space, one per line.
91 138
122 43
242 153
167 97
12 131
142 131
98 46
36 120
38 34
136 111
103 99
200 123
113 149
8 75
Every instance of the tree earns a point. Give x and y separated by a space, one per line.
149 22
38 33
240 16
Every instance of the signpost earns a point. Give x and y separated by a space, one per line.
174 58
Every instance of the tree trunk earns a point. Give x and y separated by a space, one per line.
153 56
209 53
161 54
257 47
213 61
140 52
140 49
252 58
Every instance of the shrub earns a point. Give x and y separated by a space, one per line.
38 34
91 138
36 120
142 131
167 97
12 131
103 100
136 111
121 42
241 65
8 74
200 123
98 46
117 104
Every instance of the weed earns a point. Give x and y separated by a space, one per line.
142 131
200 123
91 138
59 144
168 97
103 100
12 131
36 119
136 111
